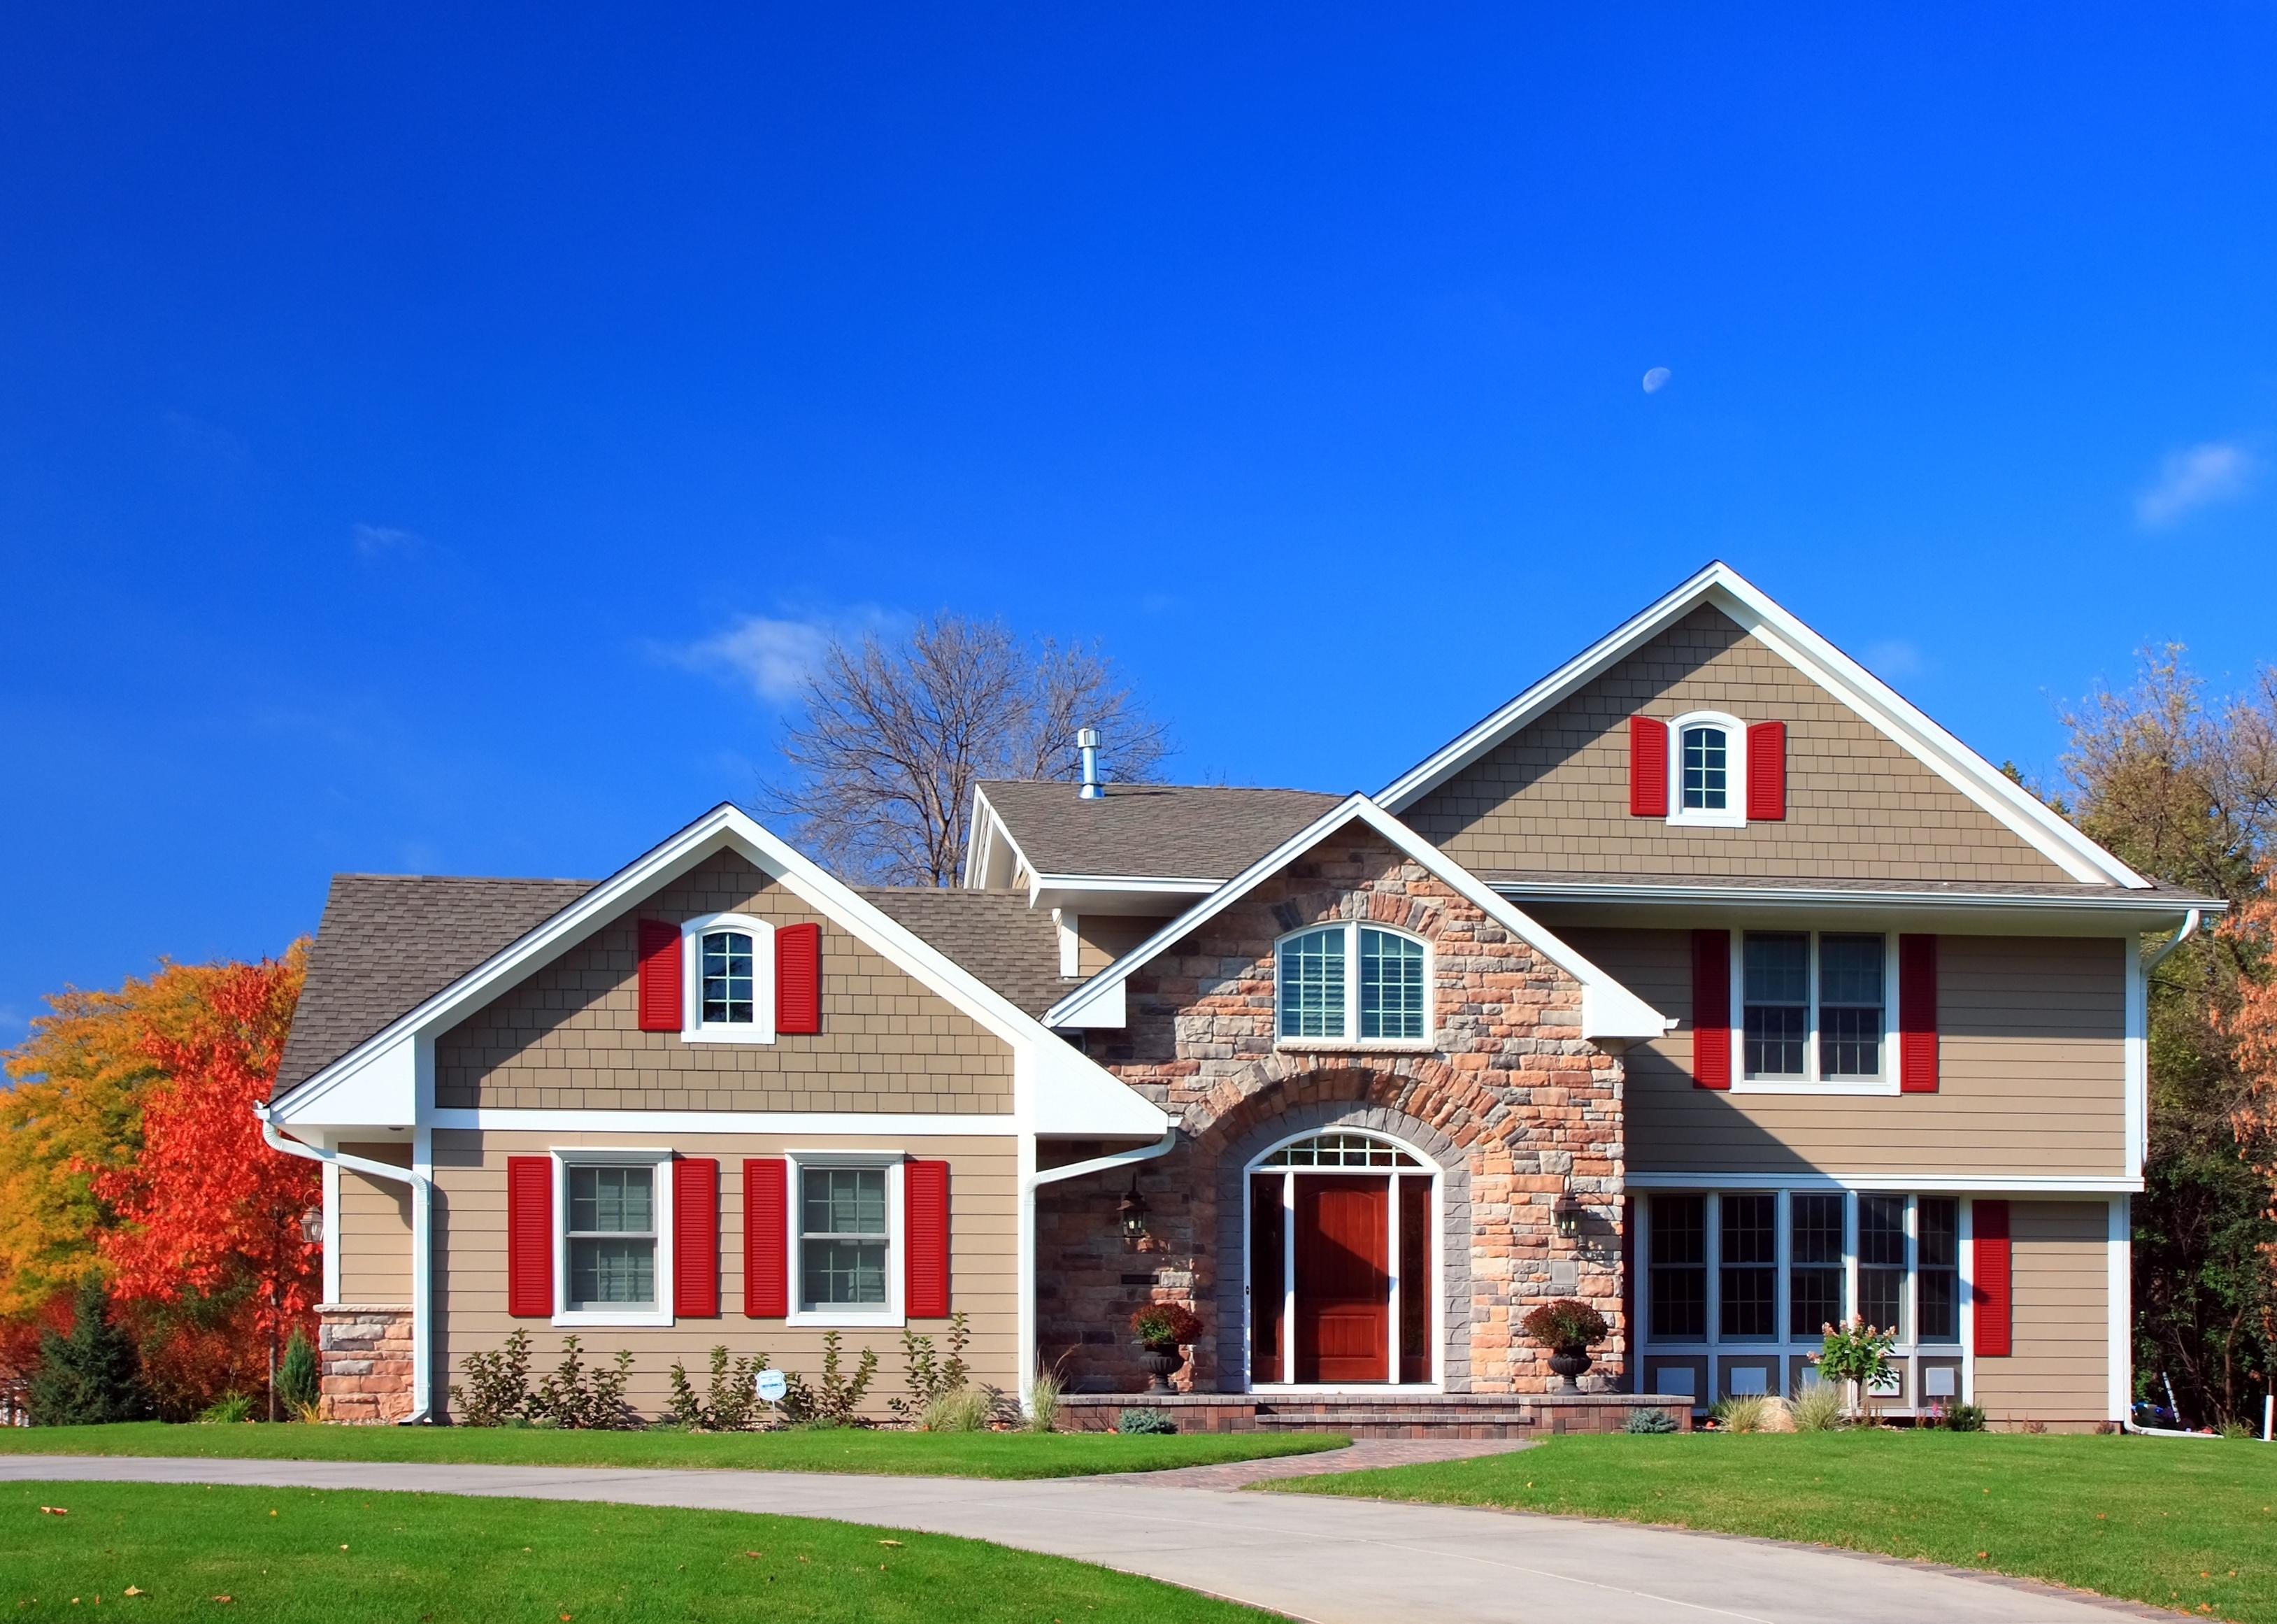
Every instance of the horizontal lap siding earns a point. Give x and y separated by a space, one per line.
567 1038
2060 1371
374 1231
470 1276
1556 796
2032 1074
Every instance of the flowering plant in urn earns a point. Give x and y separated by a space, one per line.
1568 1329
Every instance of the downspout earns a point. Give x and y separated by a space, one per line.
2192 920
1031 1182
423 1195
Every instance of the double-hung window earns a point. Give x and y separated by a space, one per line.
1318 998
609 1238
1815 1266
846 1244
1814 1008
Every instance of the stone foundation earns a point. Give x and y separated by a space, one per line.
364 1354
1404 1415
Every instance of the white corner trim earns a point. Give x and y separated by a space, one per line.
2119 1309
1820 660
2137 1057
1608 1009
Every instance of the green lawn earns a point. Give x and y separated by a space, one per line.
2167 1522
297 1554
925 1454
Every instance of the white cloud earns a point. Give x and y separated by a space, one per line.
377 541
2218 471
1894 656
774 657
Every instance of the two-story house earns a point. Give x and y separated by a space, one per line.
1707 981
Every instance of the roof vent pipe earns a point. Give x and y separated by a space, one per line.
1086 740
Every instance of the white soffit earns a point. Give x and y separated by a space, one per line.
1608 1009
1756 612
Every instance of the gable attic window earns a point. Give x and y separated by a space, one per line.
1708 771
729 962
1320 1000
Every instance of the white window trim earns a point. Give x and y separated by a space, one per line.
692 1028
892 1313
1810 1082
1733 814
581 1156
1351 1039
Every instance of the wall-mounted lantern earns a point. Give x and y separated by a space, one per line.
1568 1216
1131 1210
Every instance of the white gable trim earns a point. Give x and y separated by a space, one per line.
1052 1082
2022 813
988 828
1608 1009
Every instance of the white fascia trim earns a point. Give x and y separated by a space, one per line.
1974 1184
724 827
1756 612
841 1124
987 826
1608 1009
1788 895
1123 882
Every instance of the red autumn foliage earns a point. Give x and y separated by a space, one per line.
208 1210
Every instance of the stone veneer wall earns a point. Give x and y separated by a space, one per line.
1508 1099
363 1358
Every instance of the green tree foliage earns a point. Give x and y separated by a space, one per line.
298 1382
2183 789
93 1375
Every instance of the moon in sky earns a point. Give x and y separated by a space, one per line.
1655 380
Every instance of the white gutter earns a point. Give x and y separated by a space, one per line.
423 1199
2191 922
1076 1169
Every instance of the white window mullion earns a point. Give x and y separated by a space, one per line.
1810 1070
1712 1223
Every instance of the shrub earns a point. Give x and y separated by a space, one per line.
733 1404
1166 1325
577 1396
1137 1420
1650 1420
966 1409
297 1381
926 1374
227 1410
836 1399
91 1375
1816 1409
1743 1414
1044 1401
1856 1352
1957 1417
2234 1429
1565 1323
497 1386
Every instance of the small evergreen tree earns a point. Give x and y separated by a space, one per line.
93 1375
297 1382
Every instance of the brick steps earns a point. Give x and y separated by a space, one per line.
1420 1415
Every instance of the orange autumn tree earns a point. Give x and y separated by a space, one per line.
207 1208
2252 1027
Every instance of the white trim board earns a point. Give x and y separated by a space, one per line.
1056 1089
1823 663
1974 1184
1608 1009
883 1125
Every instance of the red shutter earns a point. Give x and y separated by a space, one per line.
766 1238
659 976
1712 1009
695 1238
1989 1277
1648 767
925 1223
1766 772
798 978
1917 1014
529 1237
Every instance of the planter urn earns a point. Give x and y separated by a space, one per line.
1159 1363
1569 1363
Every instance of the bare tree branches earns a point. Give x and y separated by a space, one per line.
891 738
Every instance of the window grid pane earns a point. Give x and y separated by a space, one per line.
1881 1261
1937 1278
1680 1275
1706 783
612 1201
1390 986
1313 985
843 1237
1748 1294
1850 1000
1815 1257
1777 978
1340 1150
728 978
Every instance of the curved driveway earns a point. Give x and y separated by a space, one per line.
1329 1560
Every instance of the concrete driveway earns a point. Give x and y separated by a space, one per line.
1331 1561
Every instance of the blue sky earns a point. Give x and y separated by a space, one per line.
397 403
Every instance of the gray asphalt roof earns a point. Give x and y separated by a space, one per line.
995 934
1165 831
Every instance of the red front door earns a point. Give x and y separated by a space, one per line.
1343 1279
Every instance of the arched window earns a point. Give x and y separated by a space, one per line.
1318 997
1708 770
1334 1150
728 993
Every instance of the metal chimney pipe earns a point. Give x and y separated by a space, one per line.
1086 740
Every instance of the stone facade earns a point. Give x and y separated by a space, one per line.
1506 1098
363 1355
